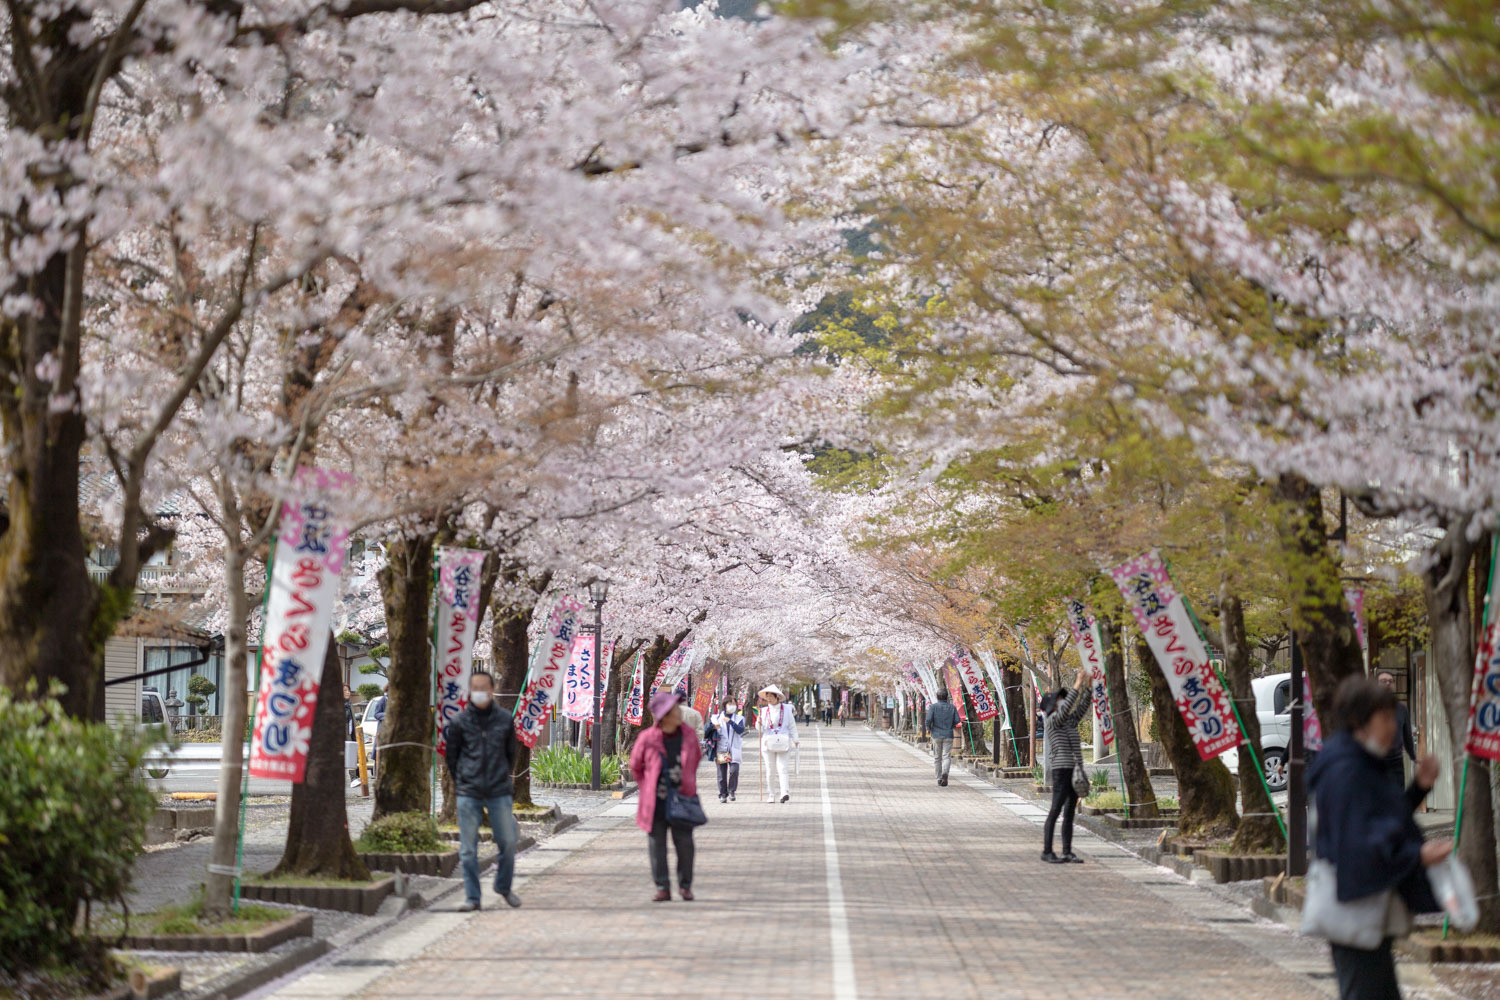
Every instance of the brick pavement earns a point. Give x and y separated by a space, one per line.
944 894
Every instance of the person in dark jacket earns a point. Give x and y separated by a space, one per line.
480 754
1406 741
1366 829
1062 751
941 718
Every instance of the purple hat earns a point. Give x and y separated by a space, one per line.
662 702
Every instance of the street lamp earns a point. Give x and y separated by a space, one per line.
598 591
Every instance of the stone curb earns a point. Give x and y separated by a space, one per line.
238 982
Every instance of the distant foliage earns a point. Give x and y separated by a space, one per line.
564 765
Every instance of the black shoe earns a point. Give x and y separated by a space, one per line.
1071 857
1051 859
469 906
943 782
786 798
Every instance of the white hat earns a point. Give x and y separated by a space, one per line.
773 689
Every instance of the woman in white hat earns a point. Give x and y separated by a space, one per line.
777 723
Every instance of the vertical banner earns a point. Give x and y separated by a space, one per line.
453 632
674 669
997 677
544 679
1163 619
703 696
606 663
1484 710
304 582
1085 628
984 706
929 681
955 690
635 698
578 680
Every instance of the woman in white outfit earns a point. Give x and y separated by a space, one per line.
777 723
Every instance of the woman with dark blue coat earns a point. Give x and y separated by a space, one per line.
1366 829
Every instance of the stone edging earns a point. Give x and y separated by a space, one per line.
575 786
364 900
268 937
439 863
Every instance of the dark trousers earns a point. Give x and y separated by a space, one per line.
1366 975
682 843
729 779
1064 799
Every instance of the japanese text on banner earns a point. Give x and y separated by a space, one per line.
1484 713
545 678
457 624
1163 619
310 550
703 695
984 706
635 698
578 682
1085 628
955 689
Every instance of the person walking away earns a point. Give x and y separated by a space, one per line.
1062 751
729 752
941 718
353 772
480 754
1365 828
778 734
666 756
843 714
1405 744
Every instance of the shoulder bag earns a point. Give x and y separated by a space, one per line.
777 742
682 810
1080 781
1358 923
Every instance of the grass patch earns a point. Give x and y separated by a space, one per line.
187 918
311 881
566 766
1106 800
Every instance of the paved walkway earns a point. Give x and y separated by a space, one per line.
872 882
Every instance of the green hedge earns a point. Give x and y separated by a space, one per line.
401 833
73 814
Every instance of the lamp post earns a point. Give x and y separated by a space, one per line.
598 591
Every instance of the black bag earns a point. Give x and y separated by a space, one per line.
682 810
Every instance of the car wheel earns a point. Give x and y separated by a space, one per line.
1274 762
157 772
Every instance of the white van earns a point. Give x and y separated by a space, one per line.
1273 707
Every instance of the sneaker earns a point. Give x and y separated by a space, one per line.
731 798
662 896
1069 856
772 800
685 893
723 799
468 906
511 900
1051 859
786 798
943 781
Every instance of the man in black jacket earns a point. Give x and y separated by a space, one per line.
1406 743
480 753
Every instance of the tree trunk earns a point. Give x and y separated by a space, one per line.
317 836
610 713
656 654
448 814
1020 720
1259 829
1138 791
1325 627
1205 790
1445 586
977 745
404 781
219 888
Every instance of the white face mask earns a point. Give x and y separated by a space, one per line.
728 709
479 698
1373 747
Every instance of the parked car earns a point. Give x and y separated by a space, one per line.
1273 707
370 725
154 715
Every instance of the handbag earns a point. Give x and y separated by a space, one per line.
725 757
682 810
777 742
1080 781
1358 923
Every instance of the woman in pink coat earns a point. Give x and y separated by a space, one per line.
666 743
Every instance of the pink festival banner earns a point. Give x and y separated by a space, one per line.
1484 711
955 690
1085 628
1162 617
457 624
545 678
310 551
674 669
578 681
984 706
635 699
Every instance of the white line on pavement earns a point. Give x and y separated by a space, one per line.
838 920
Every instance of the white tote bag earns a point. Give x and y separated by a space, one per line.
1358 923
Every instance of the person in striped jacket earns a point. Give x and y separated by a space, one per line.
1062 751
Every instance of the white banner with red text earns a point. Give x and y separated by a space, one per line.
544 679
1085 629
456 626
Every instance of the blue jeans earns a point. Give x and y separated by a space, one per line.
502 825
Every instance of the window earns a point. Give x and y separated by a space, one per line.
151 709
1282 697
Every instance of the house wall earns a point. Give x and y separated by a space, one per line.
122 657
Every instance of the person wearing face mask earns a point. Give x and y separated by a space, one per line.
730 725
481 750
1365 829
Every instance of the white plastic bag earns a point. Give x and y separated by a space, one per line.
1454 889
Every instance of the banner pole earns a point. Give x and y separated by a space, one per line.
1463 781
432 672
239 842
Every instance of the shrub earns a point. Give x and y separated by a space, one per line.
73 814
401 833
368 692
565 766
1099 779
